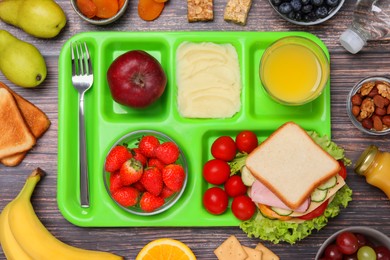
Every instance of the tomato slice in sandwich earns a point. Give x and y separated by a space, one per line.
315 213
343 170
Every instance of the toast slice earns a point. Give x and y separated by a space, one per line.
16 136
35 118
291 164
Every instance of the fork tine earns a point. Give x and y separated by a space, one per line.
90 71
74 68
80 58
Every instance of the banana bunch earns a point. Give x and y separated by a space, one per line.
24 237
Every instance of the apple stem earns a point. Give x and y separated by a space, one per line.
139 80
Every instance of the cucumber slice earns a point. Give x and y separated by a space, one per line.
319 195
328 184
247 178
282 212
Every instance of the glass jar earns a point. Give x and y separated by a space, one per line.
375 166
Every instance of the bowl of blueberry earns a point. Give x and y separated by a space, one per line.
307 12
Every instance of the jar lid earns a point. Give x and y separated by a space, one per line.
365 159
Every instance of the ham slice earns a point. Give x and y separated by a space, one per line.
261 194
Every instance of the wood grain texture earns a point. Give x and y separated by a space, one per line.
370 206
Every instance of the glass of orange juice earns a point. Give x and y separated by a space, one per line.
294 70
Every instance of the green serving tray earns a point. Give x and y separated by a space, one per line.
107 121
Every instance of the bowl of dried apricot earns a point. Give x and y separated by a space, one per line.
99 12
145 172
368 105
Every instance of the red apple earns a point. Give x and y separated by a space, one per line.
136 79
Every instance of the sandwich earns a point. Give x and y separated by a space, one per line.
297 181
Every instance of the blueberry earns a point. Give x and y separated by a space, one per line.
332 3
291 15
298 16
310 17
276 2
307 9
322 12
305 2
285 8
296 5
317 2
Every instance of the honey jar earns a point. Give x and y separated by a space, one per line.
375 166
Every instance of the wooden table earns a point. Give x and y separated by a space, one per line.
370 207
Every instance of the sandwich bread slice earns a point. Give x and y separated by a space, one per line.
15 136
35 119
291 164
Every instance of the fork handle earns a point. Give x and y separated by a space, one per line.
84 187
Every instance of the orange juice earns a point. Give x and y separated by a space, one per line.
294 70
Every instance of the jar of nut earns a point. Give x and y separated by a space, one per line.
368 105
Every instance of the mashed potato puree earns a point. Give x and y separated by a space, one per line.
208 80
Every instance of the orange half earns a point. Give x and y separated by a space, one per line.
166 249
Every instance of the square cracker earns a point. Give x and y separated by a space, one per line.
230 249
253 254
267 253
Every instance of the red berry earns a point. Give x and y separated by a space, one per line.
166 192
136 152
147 144
154 162
174 176
126 196
115 182
167 152
152 180
131 171
116 157
149 202
138 186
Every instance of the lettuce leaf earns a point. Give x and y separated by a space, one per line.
276 231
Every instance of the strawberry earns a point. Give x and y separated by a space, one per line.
116 157
167 152
115 181
131 171
126 196
149 202
173 176
152 180
138 186
136 152
166 192
154 162
147 144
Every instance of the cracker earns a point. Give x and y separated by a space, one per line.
253 254
237 11
267 253
200 10
230 249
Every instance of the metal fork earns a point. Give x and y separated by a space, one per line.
82 79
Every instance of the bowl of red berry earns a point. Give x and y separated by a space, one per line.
145 172
307 12
357 242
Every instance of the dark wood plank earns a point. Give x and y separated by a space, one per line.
370 206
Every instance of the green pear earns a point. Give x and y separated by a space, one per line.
40 18
21 62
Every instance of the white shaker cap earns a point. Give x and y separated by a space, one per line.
352 41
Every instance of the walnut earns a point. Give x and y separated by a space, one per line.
366 88
367 108
384 90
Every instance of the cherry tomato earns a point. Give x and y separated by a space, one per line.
243 207
246 141
215 200
347 243
235 187
332 252
343 170
216 171
317 212
224 148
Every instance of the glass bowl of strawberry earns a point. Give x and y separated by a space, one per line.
145 172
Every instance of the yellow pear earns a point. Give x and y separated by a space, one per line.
21 62
40 18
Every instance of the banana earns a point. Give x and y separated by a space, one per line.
33 237
11 247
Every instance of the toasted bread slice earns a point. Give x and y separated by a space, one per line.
291 164
35 118
16 136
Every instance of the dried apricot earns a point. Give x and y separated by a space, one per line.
106 8
149 10
87 8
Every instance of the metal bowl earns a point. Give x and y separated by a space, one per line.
98 21
374 236
132 139
293 18
353 119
